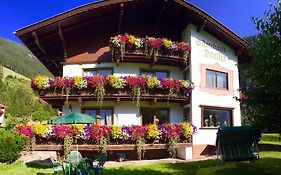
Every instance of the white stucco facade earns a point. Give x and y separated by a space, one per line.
217 56
124 69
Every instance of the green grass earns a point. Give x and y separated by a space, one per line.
7 72
270 163
271 138
19 168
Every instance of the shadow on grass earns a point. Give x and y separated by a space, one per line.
262 166
269 147
40 164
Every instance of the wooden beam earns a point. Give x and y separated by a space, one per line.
153 101
239 51
120 18
62 41
201 26
37 42
159 14
118 100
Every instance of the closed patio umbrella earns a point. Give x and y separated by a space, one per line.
72 118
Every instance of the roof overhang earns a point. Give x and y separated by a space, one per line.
48 38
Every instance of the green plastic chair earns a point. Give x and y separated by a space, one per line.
101 159
237 143
74 157
71 162
57 167
85 167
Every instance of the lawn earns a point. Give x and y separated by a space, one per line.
270 163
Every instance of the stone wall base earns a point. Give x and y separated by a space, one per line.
202 151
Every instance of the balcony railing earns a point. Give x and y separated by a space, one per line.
99 88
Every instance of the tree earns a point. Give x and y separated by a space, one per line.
262 100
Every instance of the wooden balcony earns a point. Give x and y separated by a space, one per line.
122 147
57 100
167 60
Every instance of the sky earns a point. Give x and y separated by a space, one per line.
236 15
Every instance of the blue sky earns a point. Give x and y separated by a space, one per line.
236 15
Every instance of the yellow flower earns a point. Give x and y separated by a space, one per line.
186 129
132 39
115 82
40 129
153 82
79 127
167 43
41 82
152 131
116 132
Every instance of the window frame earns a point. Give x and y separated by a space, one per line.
98 69
156 108
216 77
98 109
153 71
203 107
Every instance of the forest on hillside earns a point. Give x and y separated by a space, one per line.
19 59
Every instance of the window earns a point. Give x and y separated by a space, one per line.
105 114
152 73
100 71
217 79
151 116
215 117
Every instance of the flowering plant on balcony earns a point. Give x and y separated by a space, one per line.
150 46
137 132
80 82
122 42
152 132
153 82
137 84
41 130
40 82
98 85
25 130
116 82
61 131
94 133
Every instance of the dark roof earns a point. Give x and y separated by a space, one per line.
48 38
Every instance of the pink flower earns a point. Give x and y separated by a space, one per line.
58 82
184 47
25 130
93 81
136 81
155 42
137 132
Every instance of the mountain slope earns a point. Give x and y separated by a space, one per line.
19 59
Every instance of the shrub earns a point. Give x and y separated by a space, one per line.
11 144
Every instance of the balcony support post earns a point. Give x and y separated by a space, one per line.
120 18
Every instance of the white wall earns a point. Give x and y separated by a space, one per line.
127 113
124 69
223 57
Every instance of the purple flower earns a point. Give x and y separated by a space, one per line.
51 82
